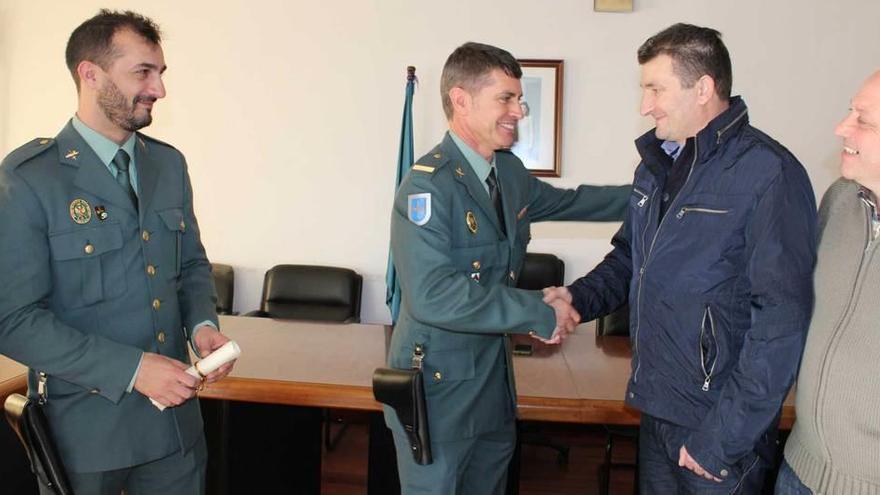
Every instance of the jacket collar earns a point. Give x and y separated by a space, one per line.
464 174
93 176
714 136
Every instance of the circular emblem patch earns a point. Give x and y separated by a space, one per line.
471 222
80 211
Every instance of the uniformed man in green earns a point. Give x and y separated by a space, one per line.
105 280
459 231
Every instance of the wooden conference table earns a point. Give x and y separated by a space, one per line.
331 365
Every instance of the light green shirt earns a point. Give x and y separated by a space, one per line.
479 164
107 149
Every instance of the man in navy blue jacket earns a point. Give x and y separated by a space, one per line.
715 258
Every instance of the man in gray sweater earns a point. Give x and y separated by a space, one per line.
834 447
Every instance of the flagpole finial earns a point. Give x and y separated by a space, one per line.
410 73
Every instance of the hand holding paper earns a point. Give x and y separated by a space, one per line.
225 354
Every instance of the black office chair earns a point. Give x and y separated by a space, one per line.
289 438
224 287
316 293
541 270
307 292
616 323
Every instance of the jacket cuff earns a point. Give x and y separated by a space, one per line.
702 449
578 300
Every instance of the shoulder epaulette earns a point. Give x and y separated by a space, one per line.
27 151
431 161
143 139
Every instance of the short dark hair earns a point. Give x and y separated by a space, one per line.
695 51
93 39
468 67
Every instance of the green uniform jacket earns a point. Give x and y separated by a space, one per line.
457 273
88 285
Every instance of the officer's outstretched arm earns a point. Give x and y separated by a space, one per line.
433 273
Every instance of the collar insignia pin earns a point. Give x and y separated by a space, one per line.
72 154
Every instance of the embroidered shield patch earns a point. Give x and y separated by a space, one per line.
419 208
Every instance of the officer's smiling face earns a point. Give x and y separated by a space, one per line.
132 82
492 112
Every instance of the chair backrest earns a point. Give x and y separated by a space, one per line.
541 270
614 323
224 287
308 292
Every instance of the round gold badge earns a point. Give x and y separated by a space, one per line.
80 211
471 222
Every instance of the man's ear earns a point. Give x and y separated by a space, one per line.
89 74
705 86
461 100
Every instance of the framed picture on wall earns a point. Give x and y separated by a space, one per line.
539 133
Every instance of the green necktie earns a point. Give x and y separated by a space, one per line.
122 161
495 194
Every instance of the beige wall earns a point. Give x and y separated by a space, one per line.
289 111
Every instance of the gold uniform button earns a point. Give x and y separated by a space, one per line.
151 270
182 225
156 304
438 376
95 391
145 236
161 337
724 473
512 275
89 249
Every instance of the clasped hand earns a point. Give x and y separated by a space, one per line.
165 380
567 318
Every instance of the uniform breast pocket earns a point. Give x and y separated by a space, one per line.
480 263
175 227
88 265
447 367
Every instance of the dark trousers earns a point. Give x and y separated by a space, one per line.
659 473
788 483
178 474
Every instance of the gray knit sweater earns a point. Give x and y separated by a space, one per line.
835 445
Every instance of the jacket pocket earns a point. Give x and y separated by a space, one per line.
708 348
448 366
639 198
173 220
684 210
88 265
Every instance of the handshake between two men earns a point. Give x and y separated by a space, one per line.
567 318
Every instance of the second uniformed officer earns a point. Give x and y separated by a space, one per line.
105 279
459 232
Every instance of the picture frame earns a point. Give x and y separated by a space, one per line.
539 132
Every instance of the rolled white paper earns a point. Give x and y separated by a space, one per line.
216 359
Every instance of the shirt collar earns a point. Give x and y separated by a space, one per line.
478 164
671 148
103 147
